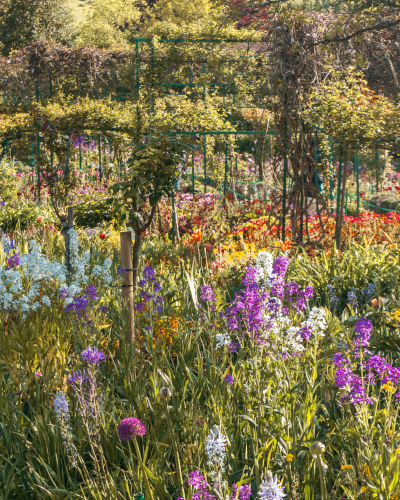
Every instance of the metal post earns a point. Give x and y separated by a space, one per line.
331 175
137 69
37 89
357 182
193 172
377 169
285 167
100 171
338 198
37 164
80 153
301 212
173 218
226 168
205 164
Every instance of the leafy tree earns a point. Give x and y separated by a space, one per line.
22 21
353 116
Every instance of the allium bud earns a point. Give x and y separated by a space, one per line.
317 448
164 393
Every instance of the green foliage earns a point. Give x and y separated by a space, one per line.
24 214
350 113
22 21
357 267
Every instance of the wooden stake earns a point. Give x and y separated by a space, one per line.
128 293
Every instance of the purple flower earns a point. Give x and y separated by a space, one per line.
363 329
77 378
305 332
207 295
13 261
228 379
250 276
64 294
92 355
200 485
131 427
280 265
244 492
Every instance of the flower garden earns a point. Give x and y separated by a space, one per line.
200 265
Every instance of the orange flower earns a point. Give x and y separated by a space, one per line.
285 245
197 235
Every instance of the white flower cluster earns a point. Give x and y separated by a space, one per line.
287 337
215 448
26 287
222 339
317 321
264 263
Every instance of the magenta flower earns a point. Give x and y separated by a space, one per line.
131 427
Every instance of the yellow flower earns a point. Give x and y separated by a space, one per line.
363 489
346 467
388 386
390 432
289 457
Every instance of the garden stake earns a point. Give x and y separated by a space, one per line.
127 290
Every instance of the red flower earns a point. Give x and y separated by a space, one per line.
102 236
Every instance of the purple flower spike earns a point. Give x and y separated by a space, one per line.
280 265
363 329
131 427
207 295
92 355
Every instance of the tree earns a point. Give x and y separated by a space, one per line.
353 116
22 21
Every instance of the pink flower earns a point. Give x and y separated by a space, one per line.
131 427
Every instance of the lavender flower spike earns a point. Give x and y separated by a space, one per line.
92 355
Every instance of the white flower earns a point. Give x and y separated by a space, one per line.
215 447
316 321
222 339
270 489
264 262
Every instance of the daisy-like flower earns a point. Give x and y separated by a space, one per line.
270 489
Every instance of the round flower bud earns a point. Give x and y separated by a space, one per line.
317 448
164 393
